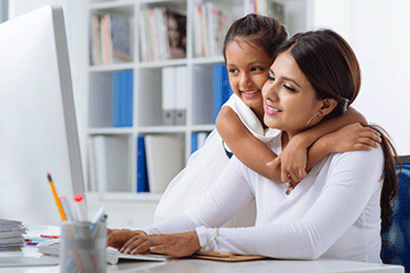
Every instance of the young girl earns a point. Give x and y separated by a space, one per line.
248 51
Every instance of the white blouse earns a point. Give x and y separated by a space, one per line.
333 213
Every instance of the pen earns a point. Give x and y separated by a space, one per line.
98 217
67 209
56 199
79 207
49 236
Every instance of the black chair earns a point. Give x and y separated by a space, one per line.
396 240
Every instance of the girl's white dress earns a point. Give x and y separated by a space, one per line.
203 168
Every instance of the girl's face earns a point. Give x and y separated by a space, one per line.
289 98
248 69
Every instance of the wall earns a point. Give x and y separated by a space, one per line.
379 32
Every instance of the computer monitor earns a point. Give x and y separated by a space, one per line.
38 131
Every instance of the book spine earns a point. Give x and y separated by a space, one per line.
194 142
221 88
129 98
116 98
96 40
142 172
143 37
100 162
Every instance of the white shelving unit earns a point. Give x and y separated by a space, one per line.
147 110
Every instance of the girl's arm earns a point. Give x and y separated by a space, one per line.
246 147
255 154
295 159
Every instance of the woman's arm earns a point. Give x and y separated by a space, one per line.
350 185
228 195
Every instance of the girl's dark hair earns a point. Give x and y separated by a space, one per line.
332 69
264 31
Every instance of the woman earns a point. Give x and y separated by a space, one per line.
337 211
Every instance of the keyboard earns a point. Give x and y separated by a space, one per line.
52 247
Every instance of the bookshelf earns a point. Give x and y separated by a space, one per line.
120 154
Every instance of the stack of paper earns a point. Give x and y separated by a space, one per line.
11 235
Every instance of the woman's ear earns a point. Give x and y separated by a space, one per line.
327 106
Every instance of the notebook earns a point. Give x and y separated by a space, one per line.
52 247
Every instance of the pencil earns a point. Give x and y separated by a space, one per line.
58 202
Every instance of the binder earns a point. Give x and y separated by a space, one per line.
142 173
181 94
168 97
221 88
123 98
165 159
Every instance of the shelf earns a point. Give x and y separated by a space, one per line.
110 131
149 109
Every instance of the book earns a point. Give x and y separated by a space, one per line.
175 34
162 34
270 8
145 54
153 35
221 88
95 41
165 159
142 173
199 43
217 22
106 39
162 26
120 40
210 27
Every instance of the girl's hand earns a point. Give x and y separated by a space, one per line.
292 161
116 238
176 245
353 137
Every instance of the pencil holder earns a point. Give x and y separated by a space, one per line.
83 247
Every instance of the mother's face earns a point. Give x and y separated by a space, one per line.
289 98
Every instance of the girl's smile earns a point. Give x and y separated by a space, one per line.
248 69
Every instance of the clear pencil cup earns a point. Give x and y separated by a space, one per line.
83 247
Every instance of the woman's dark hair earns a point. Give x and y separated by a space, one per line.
332 69
329 64
261 30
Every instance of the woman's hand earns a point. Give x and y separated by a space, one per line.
116 238
176 245
353 137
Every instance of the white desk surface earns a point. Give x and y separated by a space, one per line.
198 265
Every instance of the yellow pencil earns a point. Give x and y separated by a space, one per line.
58 202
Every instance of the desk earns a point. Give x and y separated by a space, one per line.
197 265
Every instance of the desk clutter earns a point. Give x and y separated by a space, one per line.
11 235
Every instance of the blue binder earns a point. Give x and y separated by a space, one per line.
123 82
142 173
221 88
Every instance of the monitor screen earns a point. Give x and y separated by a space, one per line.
38 131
